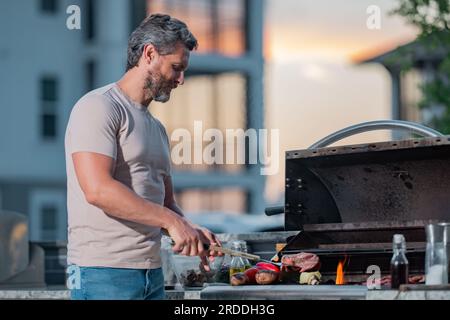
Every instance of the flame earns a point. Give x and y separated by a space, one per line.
340 280
340 273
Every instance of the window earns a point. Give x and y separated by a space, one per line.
227 200
47 215
218 101
90 75
89 13
49 6
219 26
49 125
48 89
49 98
138 13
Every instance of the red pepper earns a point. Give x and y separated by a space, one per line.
251 274
267 266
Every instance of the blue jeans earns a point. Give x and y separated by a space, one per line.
100 283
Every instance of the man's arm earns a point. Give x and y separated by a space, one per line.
169 198
94 174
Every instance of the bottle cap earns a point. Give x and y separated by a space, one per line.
236 245
399 238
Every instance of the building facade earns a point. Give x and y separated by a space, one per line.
47 66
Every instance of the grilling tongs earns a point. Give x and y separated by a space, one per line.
236 253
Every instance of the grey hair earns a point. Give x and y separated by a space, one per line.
162 31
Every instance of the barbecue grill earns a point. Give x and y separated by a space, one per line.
345 203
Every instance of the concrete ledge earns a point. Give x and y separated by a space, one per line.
270 292
49 294
34 295
408 295
284 292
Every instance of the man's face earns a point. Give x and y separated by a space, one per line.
166 72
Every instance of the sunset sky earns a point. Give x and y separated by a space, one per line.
313 86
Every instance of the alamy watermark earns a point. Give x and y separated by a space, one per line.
73 21
236 146
374 280
373 21
73 277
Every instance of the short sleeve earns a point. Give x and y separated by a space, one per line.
93 126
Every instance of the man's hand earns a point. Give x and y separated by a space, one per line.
186 237
208 238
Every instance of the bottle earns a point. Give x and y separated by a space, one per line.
237 264
399 263
247 263
436 254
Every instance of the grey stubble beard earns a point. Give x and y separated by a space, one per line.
154 87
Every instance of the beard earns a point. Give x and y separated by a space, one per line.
158 87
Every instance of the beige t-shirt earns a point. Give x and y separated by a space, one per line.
106 121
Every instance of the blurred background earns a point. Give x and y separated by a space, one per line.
306 68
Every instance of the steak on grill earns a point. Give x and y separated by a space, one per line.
302 261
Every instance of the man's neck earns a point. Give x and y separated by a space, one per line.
133 84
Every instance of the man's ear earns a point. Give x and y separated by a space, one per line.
149 53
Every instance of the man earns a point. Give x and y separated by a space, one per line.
119 187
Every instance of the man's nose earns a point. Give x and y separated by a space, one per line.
180 79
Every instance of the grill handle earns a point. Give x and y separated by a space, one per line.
271 211
409 126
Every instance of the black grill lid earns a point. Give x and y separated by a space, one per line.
377 182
